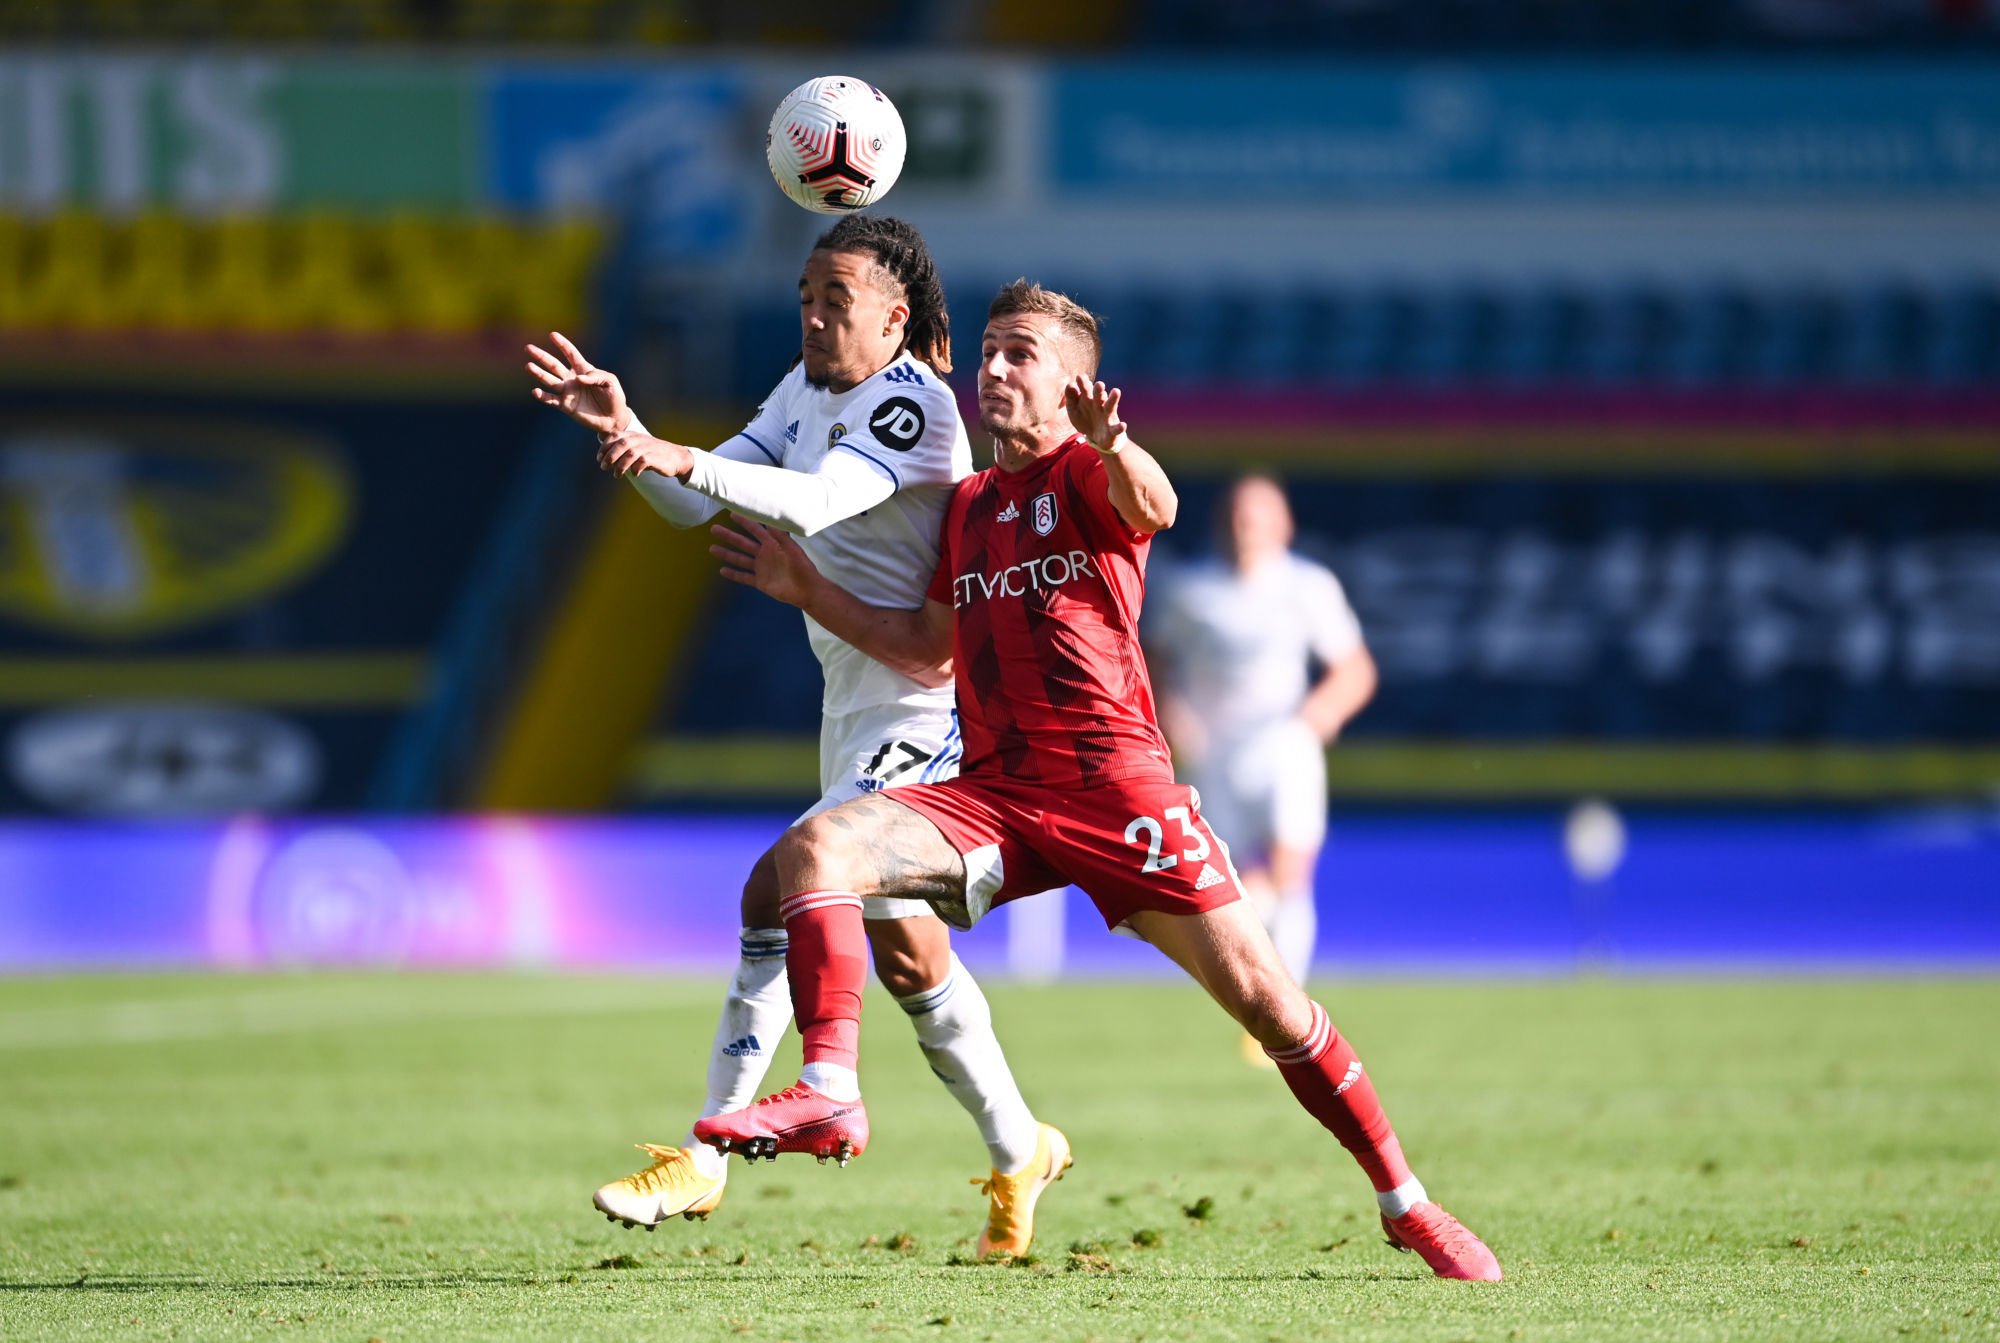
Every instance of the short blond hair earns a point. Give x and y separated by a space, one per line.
1076 325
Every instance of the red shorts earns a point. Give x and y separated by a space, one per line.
1129 845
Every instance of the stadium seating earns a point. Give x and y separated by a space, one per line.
1195 25
1631 333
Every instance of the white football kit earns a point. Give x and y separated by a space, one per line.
861 477
1240 646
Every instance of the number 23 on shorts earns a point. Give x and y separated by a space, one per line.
1149 831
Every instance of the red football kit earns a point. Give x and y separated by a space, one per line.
1066 777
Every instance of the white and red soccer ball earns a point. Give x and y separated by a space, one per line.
836 144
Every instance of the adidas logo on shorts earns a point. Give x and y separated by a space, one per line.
1209 877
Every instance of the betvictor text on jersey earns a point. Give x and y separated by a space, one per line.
1048 571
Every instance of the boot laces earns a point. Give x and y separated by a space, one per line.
667 1162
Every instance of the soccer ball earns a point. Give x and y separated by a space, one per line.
836 144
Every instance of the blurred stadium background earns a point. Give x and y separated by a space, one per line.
1636 363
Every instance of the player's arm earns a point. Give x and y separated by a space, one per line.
595 399
1140 490
1333 633
797 501
915 643
673 499
1342 691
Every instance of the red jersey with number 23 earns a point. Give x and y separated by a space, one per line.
1045 581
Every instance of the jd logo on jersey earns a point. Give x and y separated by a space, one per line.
135 528
898 423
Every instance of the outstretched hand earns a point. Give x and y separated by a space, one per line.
592 397
764 558
1094 411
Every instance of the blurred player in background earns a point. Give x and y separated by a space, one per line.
1233 643
856 452
1066 778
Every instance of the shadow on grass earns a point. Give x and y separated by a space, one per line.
167 1282
444 1281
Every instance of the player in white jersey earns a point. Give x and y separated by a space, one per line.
1234 641
855 452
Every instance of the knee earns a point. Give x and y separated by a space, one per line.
1277 1016
816 856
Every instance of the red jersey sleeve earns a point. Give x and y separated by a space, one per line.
1090 486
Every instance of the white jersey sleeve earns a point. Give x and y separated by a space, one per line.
804 502
684 507
1333 631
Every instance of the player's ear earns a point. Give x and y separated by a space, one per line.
896 318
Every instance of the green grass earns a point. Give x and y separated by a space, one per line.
362 1157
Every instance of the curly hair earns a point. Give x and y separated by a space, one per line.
899 250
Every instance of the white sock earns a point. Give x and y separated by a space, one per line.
1402 1198
1293 923
755 1013
955 1030
835 1081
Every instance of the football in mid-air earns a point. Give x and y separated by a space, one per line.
836 144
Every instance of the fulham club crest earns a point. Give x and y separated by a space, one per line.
1043 511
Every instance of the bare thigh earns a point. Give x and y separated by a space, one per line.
871 846
1228 953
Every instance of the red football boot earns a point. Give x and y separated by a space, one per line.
797 1119
1445 1244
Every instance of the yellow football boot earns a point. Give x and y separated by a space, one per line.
672 1184
1010 1223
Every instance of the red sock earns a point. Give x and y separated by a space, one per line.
826 956
1328 1080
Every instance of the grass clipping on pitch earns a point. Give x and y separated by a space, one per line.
374 1157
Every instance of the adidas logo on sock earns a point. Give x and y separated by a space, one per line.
747 1045
1209 877
1353 1076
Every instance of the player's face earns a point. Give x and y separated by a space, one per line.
1022 376
850 319
1259 521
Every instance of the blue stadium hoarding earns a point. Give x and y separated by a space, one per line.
1437 890
214 603
1684 130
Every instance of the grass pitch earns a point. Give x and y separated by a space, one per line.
363 1157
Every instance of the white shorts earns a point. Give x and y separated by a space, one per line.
881 747
1265 789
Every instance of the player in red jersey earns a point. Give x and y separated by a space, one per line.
1066 777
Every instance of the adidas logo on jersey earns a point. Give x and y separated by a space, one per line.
904 373
792 432
746 1046
1011 513
1209 877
